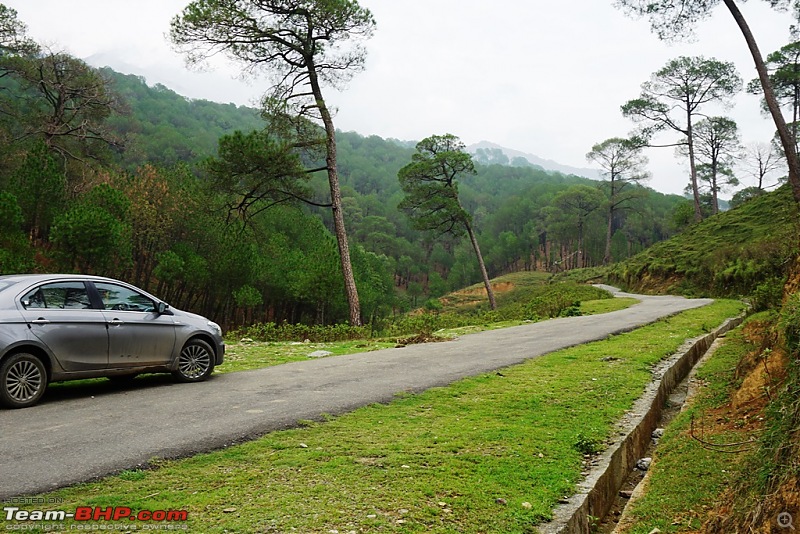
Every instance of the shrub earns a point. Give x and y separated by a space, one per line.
301 332
562 299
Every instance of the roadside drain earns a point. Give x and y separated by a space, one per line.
612 471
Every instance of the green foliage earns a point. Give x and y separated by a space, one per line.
433 305
164 128
247 296
784 69
93 235
255 171
169 267
562 300
423 325
40 188
300 332
16 254
790 323
13 34
767 295
161 225
588 445
430 183
729 254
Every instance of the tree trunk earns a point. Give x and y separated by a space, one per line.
336 200
698 213
772 103
610 227
486 282
714 194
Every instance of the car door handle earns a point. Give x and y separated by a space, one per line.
116 322
40 320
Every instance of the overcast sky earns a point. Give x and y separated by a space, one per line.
541 76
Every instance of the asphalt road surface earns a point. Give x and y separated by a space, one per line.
77 434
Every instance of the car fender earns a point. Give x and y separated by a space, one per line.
32 345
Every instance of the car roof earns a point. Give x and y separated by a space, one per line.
14 278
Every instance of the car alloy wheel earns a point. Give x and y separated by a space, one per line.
23 380
195 362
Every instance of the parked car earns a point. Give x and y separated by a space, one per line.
57 327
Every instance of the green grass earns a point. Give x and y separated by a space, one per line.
729 254
255 355
521 297
687 478
595 307
493 453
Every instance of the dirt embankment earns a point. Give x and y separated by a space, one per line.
761 372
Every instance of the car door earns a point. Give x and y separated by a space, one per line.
138 335
61 315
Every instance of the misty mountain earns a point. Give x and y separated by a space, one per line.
487 153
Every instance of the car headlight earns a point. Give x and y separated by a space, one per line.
215 327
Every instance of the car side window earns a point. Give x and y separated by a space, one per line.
61 295
121 298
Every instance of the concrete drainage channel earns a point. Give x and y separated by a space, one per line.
598 492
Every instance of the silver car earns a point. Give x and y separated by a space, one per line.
66 327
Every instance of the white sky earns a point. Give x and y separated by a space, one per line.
541 76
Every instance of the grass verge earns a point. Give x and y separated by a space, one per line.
493 453
687 477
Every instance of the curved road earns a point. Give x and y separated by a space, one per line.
81 433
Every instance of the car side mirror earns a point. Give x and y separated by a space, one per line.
162 307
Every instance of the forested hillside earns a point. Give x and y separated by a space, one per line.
162 128
508 202
746 251
121 185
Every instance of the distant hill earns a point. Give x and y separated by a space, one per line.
487 152
511 197
162 127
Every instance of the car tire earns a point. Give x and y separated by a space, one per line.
23 380
195 362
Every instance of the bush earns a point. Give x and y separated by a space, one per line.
767 295
790 323
562 299
301 332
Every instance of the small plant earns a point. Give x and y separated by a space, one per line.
767 295
790 322
573 310
594 522
587 445
433 305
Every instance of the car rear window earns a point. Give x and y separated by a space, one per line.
63 295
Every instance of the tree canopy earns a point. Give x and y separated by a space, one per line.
675 19
672 100
430 183
302 44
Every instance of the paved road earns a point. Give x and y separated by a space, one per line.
89 432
